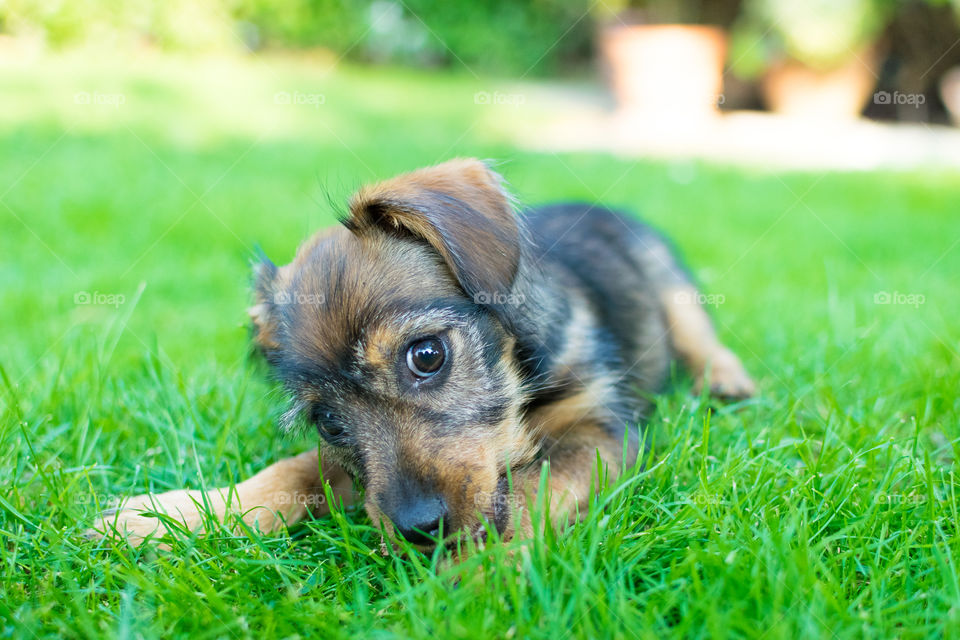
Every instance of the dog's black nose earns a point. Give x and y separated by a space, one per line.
419 520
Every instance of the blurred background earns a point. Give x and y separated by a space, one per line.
654 63
820 57
147 148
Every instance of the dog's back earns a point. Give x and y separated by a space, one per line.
600 277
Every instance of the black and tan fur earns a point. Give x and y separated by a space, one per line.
553 323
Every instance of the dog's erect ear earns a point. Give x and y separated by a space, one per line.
461 209
263 312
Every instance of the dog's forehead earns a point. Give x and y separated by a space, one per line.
346 286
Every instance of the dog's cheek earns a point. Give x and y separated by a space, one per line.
473 474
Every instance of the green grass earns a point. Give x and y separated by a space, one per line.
827 507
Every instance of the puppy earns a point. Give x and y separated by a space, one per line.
446 349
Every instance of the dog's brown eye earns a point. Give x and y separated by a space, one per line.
326 423
330 429
424 358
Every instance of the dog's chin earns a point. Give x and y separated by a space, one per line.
495 512
502 511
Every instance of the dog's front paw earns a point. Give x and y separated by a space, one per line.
729 379
136 519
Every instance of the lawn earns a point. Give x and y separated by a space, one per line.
133 195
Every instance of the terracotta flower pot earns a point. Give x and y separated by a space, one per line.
950 93
666 72
792 88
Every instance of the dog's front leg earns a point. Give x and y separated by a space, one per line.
695 342
280 495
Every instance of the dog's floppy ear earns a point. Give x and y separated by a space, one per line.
461 209
263 312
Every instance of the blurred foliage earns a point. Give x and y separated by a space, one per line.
498 36
819 33
169 24
715 12
528 36
507 37
335 24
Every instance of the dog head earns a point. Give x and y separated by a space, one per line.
395 336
